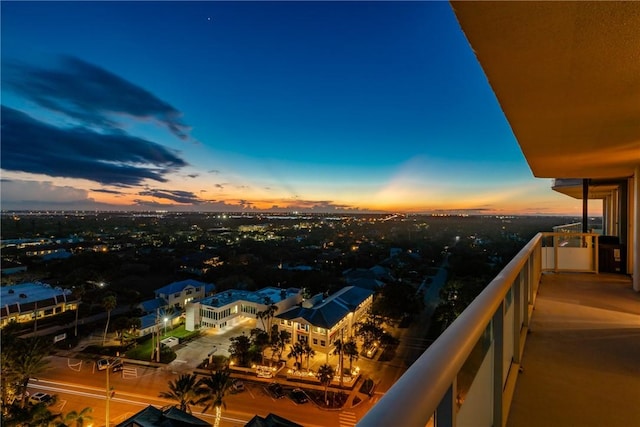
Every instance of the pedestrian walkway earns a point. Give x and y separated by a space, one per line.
347 419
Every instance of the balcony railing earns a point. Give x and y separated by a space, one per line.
467 376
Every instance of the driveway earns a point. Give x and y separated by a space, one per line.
191 354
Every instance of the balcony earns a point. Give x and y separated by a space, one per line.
580 364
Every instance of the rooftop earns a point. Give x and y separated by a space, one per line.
29 292
175 287
330 311
228 297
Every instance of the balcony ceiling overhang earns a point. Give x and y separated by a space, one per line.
567 76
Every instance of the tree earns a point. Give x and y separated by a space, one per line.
325 374
79 417
185 390
78 292
267 314
338 351
350 349
279 341
260 339
216 386
109 302
28 361
296 351
239 348
308 352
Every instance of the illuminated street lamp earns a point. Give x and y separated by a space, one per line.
165 326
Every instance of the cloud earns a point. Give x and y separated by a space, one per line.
32 146
219 186
42 195
90 94
104 190
214 171
193 175
177 196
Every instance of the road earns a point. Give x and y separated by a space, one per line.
412 339
79 385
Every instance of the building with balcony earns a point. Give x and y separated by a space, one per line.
320 321
567 76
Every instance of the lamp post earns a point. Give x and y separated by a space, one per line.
165 326
108 390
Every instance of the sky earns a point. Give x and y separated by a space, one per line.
344 107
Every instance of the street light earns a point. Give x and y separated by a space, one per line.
165 326
109 392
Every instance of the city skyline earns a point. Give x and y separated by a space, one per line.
255 106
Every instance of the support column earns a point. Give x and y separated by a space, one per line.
635 230
585 205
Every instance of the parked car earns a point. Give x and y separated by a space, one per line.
275 390
117 366
41 397
237 385
299 396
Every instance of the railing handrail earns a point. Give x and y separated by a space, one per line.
442 361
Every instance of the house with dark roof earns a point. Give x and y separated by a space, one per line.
322 321
178 294
271 420
170 417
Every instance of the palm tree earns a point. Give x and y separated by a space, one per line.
108 303
295 351
309 352
325 375
78 292
267 314
185 390
79 417
28 361
216 386
351 350
338 352
279 343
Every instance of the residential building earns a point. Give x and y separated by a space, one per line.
178 294
230 308
169 417
271 420
29 301
567 76
322 321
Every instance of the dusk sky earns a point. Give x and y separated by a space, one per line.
242 106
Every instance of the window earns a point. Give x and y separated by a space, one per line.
322 343
176 295
315 341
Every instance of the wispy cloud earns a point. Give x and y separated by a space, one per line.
90 94
29 145
177 196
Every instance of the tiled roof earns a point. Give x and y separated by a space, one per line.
154 417
329 312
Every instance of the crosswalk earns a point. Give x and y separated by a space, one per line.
347 419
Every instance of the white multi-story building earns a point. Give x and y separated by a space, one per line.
229 308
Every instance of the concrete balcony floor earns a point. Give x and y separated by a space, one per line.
581 364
